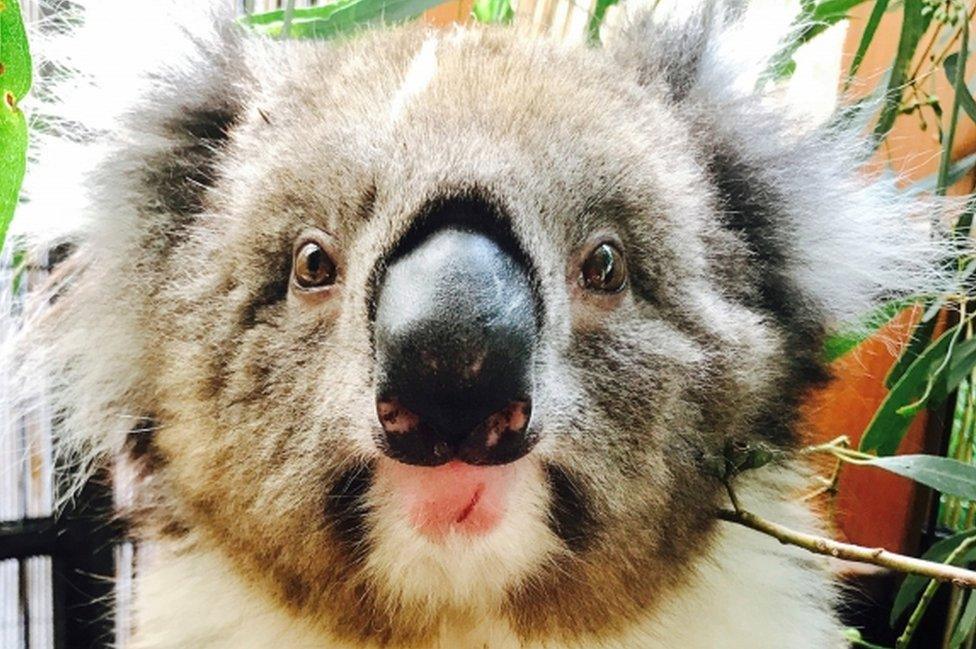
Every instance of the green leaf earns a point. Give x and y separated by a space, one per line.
919 340
964 224
966 100
951 372
15 81
887 428
857 116
278 16
913 585
493 11
814 19
13 161
845 341
14 52
960 366
596 20
965 623
833 11
960 93
339 18
914 24
869 30
943 474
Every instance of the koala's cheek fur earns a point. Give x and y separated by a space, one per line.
270 503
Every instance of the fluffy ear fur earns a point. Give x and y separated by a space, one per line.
828 241
154 127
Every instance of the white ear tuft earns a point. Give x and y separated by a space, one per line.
843 240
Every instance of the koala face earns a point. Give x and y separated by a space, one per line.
445 340
435 324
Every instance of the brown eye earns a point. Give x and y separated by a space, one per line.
313 266
604 270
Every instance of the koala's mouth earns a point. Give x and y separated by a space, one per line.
452 499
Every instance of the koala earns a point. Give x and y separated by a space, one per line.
420 338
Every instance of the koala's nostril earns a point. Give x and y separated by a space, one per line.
500 438
454 331
396 418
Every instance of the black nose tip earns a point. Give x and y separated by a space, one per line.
454 331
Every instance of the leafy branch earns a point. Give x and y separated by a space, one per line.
940 565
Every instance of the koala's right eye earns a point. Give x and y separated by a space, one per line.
313 267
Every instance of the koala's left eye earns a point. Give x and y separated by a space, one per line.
313 267
604 269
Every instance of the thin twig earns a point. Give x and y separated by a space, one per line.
925 52
850 552
929 593
955 37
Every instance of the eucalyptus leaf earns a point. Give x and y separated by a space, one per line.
833 10
887 428
961 364
845 341
338 18
914 24
960 94
814 19
934 308
877 12
966 100
596 20
278 15
953 370
943 474
857 116
13 162
913 585
965 623
14 52
919 339
964 224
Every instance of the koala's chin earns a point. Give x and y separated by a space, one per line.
435 337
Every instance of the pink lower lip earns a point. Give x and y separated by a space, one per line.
454 497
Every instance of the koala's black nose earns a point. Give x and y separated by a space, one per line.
454 331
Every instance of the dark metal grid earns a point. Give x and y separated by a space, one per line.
80 542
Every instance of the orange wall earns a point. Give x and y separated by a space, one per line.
449 12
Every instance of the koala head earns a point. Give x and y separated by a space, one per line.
425 323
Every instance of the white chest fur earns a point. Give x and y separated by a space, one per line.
748 592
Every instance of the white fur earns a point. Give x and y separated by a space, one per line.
419 74
463 572
746 592
855 239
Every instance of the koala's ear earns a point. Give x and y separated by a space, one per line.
663 48
679 46
187 104
825 242
141 108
